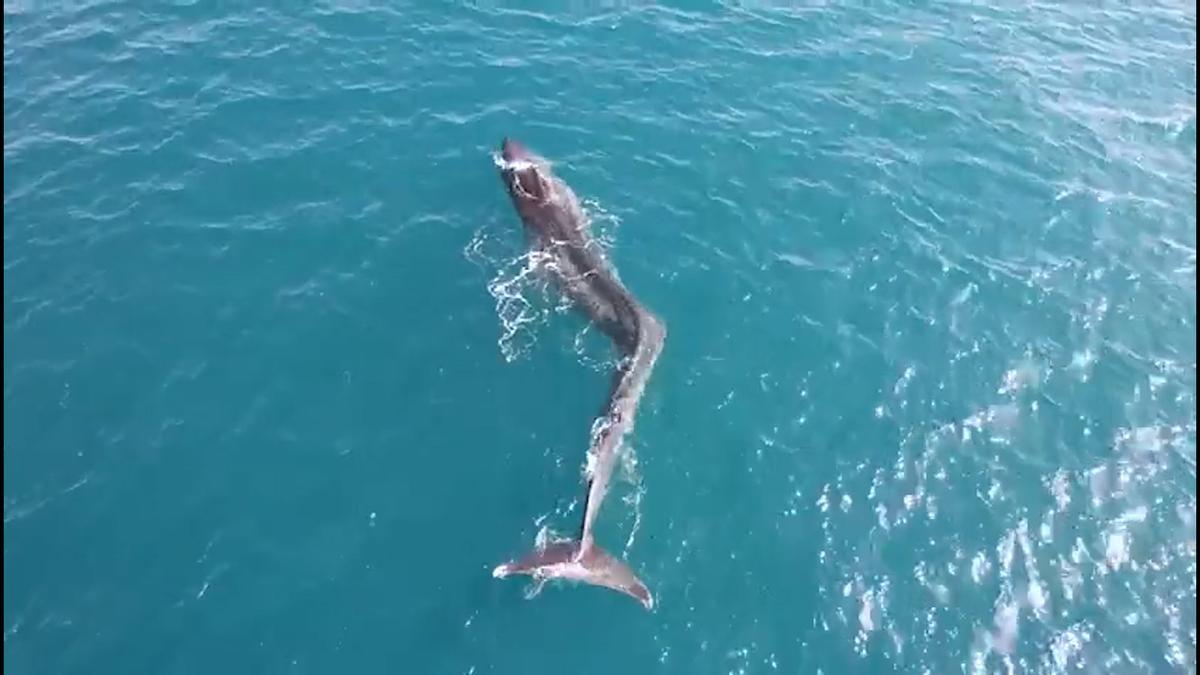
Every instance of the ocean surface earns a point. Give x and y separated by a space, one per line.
280 386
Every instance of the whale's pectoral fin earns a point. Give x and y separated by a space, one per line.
562 560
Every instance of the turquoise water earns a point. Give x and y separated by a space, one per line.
278 392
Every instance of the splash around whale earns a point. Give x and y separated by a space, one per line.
557 228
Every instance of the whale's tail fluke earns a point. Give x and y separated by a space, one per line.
565 560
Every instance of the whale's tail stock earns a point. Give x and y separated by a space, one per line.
568 560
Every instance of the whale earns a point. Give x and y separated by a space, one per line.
557 228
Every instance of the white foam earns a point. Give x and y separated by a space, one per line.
1036 596
980 566
1060 488
866 612
589 466
902 382
517 312
1116 548
1026 374
1006 622
512 165
1067 645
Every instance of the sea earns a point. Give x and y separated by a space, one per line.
282 384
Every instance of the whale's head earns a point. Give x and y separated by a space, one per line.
524 172
515 153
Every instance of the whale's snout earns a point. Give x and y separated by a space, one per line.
513 151
519 167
